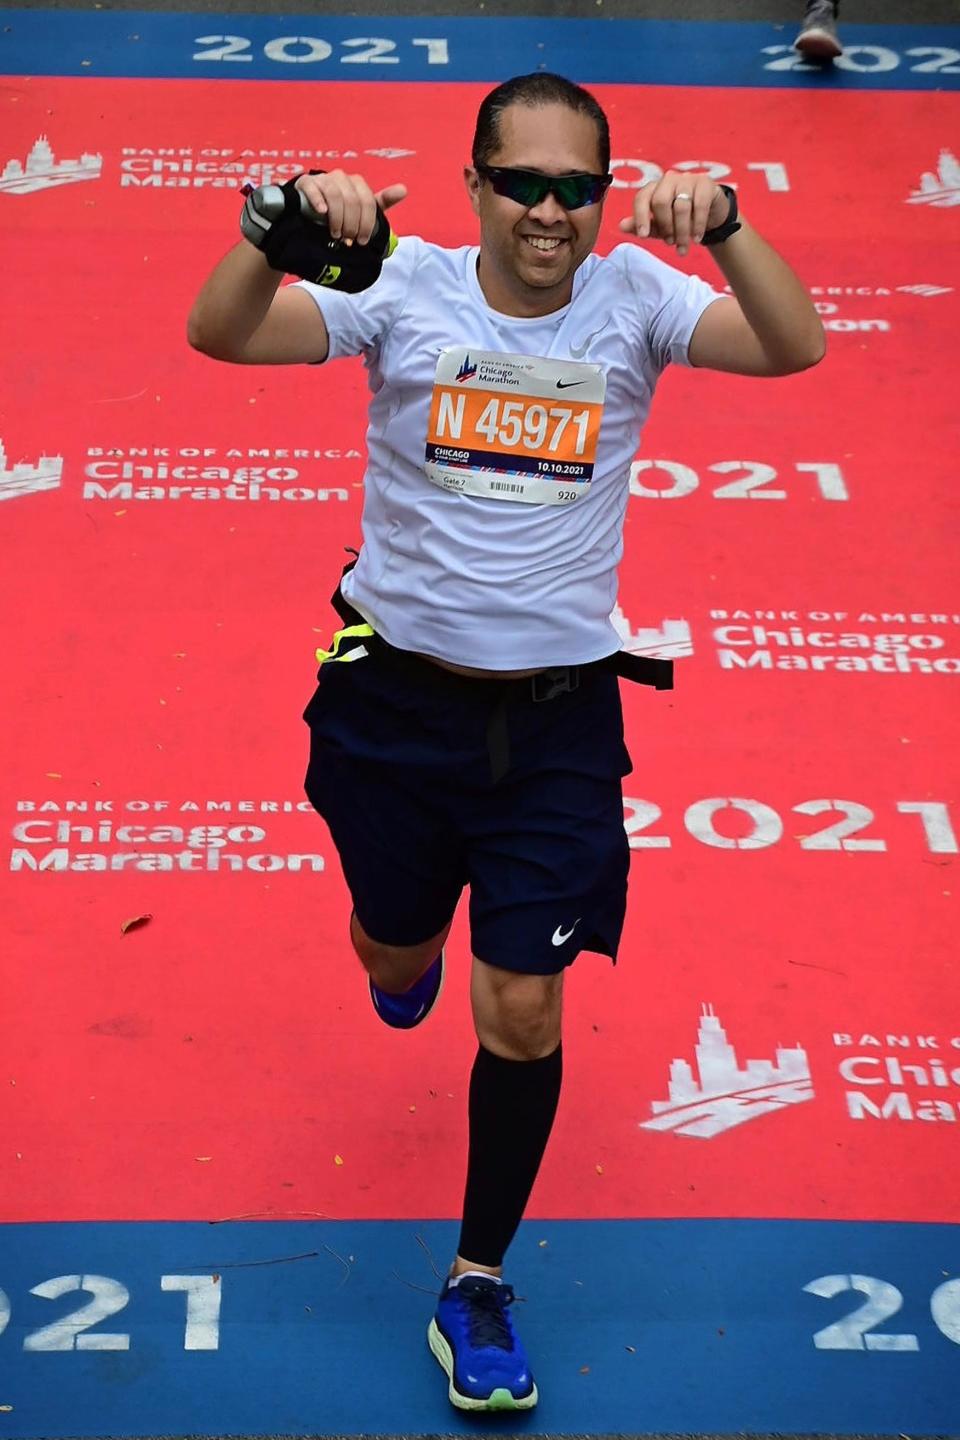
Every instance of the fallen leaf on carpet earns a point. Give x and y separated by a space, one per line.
135 923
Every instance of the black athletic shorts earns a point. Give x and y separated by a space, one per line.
430 782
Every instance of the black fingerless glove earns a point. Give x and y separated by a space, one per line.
281 222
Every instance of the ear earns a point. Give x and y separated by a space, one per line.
472 180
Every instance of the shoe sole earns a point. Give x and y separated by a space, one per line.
499 1399
818 45
427 1013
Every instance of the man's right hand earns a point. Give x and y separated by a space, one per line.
242 316
348 203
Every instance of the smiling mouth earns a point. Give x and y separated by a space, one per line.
544 245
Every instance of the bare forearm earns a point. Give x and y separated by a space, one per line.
775 304
233 303
771 327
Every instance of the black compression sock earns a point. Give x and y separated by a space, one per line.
512 1106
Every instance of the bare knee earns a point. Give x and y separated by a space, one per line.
394 968
516 1016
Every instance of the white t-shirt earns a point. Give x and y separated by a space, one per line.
468 578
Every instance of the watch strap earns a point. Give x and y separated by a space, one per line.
730 226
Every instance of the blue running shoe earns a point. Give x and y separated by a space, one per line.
473 1338
405 1011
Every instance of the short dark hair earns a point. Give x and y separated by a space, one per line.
540 88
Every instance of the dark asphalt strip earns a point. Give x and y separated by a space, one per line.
787 12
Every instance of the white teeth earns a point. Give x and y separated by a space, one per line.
542 243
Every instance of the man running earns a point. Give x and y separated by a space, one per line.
469 709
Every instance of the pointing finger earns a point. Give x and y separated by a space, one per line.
391 195
641 208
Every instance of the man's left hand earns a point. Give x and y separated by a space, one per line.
678 209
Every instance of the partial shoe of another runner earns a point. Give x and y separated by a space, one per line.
818 39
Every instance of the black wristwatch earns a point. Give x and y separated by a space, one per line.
730 226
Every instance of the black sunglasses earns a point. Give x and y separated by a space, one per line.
529 188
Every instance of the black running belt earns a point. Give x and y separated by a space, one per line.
638 669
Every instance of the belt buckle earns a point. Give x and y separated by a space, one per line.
561 680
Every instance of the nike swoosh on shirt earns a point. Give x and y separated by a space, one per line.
566 384
559 938
578 351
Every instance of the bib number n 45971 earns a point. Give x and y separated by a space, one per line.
501 426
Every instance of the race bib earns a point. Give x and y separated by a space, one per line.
514 427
